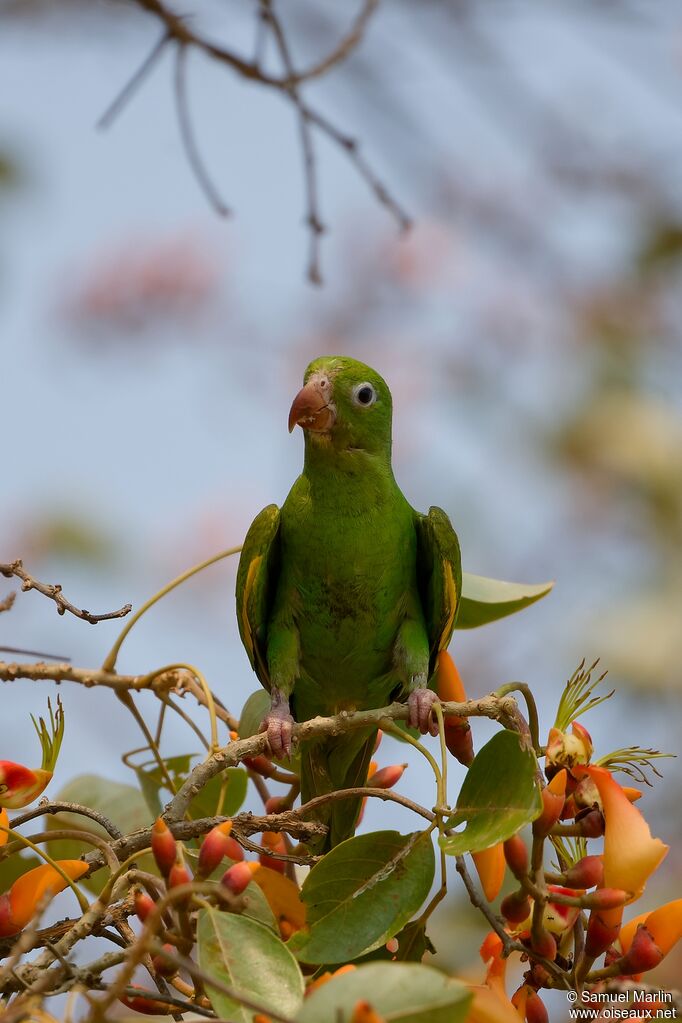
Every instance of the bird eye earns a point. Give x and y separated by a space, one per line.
365 395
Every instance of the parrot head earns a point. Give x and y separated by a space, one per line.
343 403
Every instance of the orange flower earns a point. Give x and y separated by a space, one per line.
490 1002
631 855
664 924
19 785
19 904
450 689
4 823
564 750
490 865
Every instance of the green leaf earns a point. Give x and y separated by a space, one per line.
413 942
487 600
404 992
499 796
124 805
250 959
253 712
223 794
362 893
13 866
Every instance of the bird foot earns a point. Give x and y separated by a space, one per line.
279 725
420 710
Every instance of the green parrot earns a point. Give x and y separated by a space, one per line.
346 595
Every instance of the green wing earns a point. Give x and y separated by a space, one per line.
439 578
256 585
487 600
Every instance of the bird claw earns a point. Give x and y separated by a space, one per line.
279 725
420 710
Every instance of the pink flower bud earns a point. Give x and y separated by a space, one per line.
605 898
535 1009
586 873
274 842
387 777
553 799
601 934
237 878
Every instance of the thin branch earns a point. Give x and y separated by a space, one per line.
16 568
189 142
7 603
312 219
33 653
134 83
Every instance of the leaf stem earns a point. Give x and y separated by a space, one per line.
109 662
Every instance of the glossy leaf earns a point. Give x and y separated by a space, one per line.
250 959
499 796
253 712
486 600
124 805
362 893
398 992
223 795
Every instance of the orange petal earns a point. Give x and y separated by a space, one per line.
4 823
490 864
19 785
28 890
448 681
281 893
630 853
488 1007
664 925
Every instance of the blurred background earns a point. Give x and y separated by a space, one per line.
529 326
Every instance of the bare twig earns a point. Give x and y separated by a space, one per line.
7 603
134 82
179 33
189 142
313 221
16 568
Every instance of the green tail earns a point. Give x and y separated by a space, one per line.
338 763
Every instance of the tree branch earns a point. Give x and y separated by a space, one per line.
16 568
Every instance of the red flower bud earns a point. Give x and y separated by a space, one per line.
277 804
544 944
600 934
164 967
515 907
261 765
213 848
387 777
144 904
553 799
148 1006
178 874
535 1009
643 954
592 824
516 855
586 873
605 898
237 878
274 842
459 740
392 946
164 846
377 744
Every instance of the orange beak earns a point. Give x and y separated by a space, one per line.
312 409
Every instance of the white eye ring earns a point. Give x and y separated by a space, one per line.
364 394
